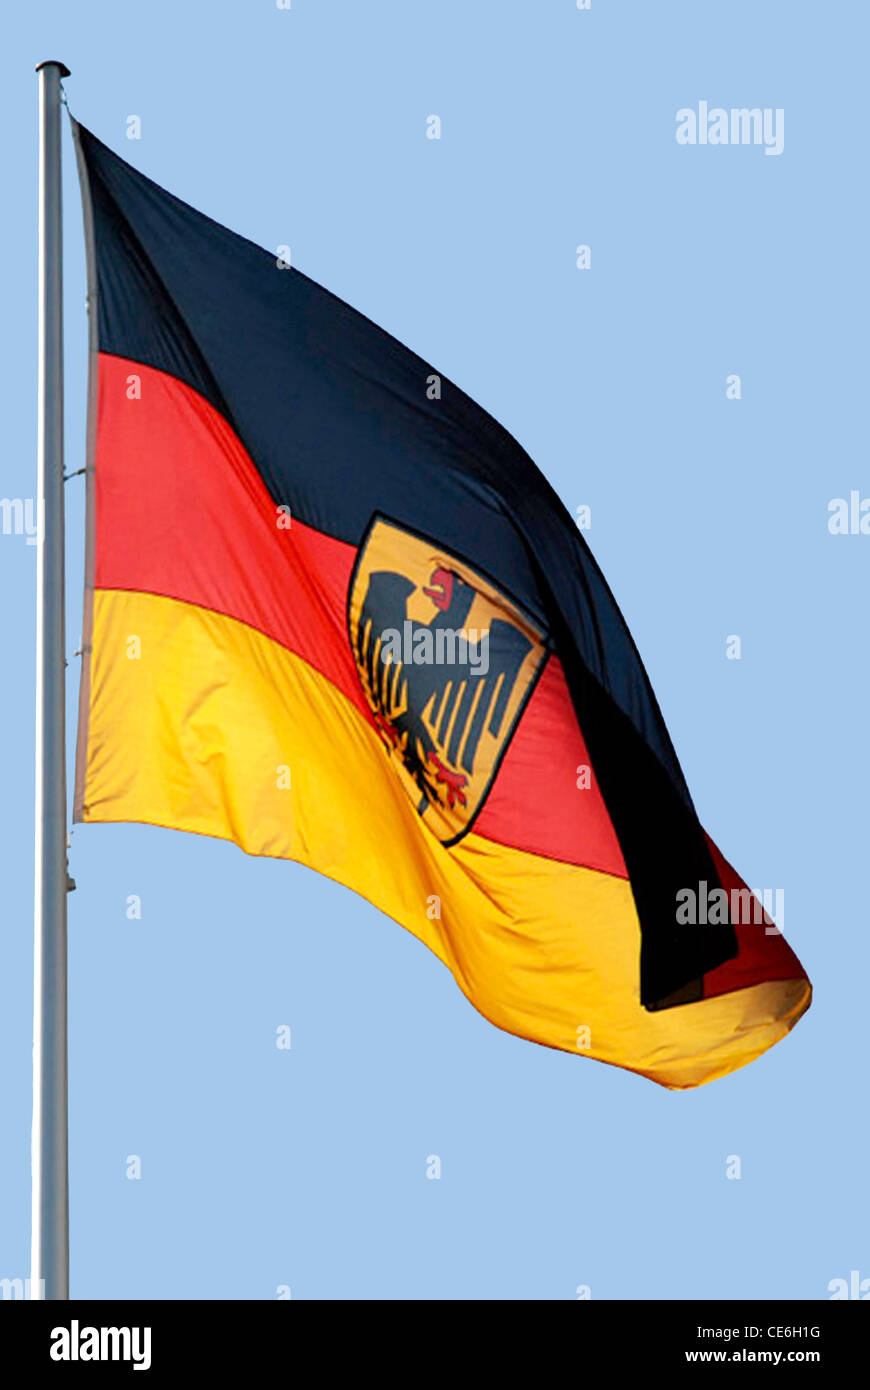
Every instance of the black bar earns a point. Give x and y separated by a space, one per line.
601 1340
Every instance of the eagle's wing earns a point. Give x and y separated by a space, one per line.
383 610
470 703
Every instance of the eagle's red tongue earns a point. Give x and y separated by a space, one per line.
441 591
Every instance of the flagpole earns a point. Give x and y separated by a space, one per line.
49 1261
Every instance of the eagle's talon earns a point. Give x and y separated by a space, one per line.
454 781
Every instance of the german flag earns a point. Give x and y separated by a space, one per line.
335 614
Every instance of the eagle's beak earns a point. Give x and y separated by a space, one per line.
441 591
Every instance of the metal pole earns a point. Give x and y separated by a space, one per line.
49 1262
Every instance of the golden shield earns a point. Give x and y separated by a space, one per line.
447 662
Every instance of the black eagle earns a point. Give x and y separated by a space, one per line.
433 714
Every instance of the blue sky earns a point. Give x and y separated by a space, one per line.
264 1168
